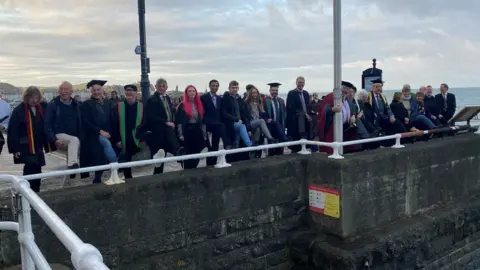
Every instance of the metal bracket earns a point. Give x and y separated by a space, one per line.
16 207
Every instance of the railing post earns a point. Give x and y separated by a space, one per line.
477 132
24 219
397 142
114 178
87 257
304 150
222 160
336 151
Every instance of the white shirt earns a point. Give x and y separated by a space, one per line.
5 110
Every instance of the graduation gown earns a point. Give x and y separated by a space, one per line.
26 135
326 125
294 107
95 117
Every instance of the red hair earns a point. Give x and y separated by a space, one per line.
187 107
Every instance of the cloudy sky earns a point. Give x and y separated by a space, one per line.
43 42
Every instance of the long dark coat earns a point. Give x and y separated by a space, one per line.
95 117
17 139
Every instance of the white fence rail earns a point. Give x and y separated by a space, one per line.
221 155
84 256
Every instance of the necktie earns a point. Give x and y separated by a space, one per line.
275 108
376 100
445 101
302 100
167 109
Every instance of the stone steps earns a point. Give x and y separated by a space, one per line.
55 266
465 253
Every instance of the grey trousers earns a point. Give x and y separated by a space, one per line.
260 126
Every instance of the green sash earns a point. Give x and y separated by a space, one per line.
121 119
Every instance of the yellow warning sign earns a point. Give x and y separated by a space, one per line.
324 200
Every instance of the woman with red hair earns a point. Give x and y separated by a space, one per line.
190 127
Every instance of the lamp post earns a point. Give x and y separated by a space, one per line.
144 60
337 70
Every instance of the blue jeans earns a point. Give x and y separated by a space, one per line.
107 149
422 122
241 133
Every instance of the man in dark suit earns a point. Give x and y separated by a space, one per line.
158 128
446 104
298 119
212 105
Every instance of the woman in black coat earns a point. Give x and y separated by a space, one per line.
26 139
191 130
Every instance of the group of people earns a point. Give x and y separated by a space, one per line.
99 130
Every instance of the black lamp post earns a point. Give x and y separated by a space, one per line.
144 60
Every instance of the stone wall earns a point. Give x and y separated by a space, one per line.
399 209
385 185
208 218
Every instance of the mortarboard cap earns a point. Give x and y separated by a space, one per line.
133 86
377 81
96 82
274 84
347 84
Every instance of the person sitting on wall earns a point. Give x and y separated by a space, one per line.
95 146
63 124
384 115
276 114
353 128
191 130
126 118
158 128
212 104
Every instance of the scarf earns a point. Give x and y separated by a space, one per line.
138 121
29 123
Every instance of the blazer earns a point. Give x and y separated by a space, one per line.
451 105
212 114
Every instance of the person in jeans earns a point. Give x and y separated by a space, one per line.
95 145
235 116
62 123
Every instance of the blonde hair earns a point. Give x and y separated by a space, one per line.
249 99
31 92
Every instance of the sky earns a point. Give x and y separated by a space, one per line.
44 42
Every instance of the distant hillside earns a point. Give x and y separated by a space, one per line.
6 88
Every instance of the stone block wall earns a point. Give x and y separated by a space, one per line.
233 218
381 186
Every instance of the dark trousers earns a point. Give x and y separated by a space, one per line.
194 143
29 169
278 132
219 131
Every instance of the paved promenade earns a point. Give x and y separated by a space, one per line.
57 161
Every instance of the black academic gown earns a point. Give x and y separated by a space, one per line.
294 108
95 117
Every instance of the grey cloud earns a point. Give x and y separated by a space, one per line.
192 41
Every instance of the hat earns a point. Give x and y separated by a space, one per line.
133 86
96 82
347 84
378 81
274 84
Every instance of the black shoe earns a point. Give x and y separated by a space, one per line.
73 167
181 152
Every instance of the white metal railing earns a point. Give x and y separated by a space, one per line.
84 256
221 155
